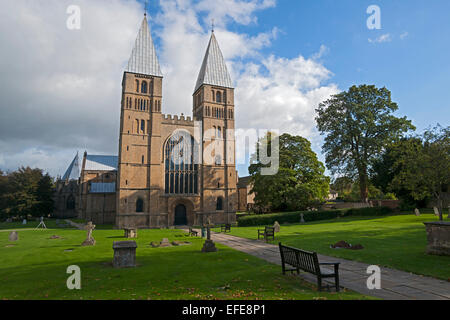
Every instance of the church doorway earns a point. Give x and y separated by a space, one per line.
180 215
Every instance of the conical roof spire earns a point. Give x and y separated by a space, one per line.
143 59
214 69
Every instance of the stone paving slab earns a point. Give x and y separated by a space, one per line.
396 284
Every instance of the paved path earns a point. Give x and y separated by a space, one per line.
395 284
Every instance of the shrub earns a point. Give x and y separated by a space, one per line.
309 216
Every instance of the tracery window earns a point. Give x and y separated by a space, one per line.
181 174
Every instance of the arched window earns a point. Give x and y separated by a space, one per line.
213 95
137 85
219 132
139 205
219 206
218 97
143 126
181 174
144 87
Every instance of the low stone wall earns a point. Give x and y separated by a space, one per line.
438 236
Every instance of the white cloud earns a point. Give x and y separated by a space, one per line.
60 89
404 35
383 38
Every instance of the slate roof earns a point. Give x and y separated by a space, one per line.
101 163
214 69
143 58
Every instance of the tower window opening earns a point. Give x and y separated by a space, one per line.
137 85
219 205
139 205
144 87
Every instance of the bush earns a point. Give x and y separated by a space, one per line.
309 216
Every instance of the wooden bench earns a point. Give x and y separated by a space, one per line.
193 233
308 262
268 232
225 228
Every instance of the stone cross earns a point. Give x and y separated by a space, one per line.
90 241
417 212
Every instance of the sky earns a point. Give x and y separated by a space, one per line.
60 89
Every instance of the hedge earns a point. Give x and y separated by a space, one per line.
309 216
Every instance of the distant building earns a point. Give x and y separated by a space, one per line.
246 199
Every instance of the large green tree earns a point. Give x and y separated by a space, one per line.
424 170
300 181
359 124
26 192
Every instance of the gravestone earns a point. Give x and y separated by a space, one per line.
302 218
24 221
209 245
9 220
417 212
13 236
130 233
90 241
277 226
124 254
165 243
436 211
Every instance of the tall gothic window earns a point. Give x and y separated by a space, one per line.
219 204
137 85
181 174
218 97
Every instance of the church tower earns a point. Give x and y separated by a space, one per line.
140 130
213 107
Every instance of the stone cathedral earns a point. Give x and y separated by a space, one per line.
170 170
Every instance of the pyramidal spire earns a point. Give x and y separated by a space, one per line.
143 59
214 69
73 172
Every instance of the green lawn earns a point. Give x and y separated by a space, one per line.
394 241
35 268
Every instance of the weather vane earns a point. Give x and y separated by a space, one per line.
146 4
212 25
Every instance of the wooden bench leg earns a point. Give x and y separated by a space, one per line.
319 283
336 280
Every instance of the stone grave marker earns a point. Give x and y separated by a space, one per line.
124 254
209 245
277 226
436 211
165 243
417 212
90 241
13 236
131 233
24 221
302 218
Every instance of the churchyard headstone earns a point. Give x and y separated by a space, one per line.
436 211
13 236
124 254
24 221
277 226
417 212
165 243
302 218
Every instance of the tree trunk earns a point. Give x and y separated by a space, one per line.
363 187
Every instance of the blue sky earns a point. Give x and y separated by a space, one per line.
271 46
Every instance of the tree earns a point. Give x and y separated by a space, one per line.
26 192
358 125
387 167
300 181
425 169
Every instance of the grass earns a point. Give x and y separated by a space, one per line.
397 241
35 268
